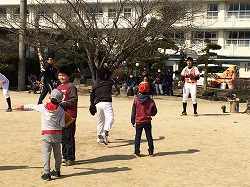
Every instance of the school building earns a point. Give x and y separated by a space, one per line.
226 23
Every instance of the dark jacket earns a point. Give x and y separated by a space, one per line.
48 72
101 91
159 77
131 82
143 108
169 77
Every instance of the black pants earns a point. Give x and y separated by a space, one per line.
148 131
169 88
68 141
47 88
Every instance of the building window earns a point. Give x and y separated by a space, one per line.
127 12
200 36
3 13
178 38
95 11
239 38
212 11
239 10
247 67
44 12
112 12
16 13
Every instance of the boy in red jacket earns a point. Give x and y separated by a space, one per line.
143 108
69 104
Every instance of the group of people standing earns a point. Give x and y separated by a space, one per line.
161 83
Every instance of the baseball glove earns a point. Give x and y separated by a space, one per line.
191 76
68 119
92 109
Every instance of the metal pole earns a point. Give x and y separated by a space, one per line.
22 49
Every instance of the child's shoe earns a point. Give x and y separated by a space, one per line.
55 173
46 176
136 156
69 163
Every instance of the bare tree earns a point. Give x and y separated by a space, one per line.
112 36
115 37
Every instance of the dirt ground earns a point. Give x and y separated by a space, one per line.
209 150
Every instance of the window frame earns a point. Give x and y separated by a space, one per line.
212 14
127 14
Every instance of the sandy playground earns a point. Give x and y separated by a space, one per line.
212 149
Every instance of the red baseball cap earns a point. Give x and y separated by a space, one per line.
143 87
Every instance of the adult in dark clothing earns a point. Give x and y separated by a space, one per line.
101 97
159 77
48 74
131 83
169 82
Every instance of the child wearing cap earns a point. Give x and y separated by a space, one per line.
142 111
69 104
52 121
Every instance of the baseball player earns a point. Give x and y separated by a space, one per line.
190 75
4 83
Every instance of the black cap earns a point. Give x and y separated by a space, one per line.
66 70
190 58
51 55
102 73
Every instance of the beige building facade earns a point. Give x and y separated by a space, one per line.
226 23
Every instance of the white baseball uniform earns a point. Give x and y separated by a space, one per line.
190 85
4 83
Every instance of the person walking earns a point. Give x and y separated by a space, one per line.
159 77
4 84
53 119
48 74
101 97
69 104
190 74
142 109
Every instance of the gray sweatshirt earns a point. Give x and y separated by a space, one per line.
52 117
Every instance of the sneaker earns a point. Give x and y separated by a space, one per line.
195 114
46 176
151 155
105 139
99 140
69 163
64 160
183 113
9 110
136 156
55 173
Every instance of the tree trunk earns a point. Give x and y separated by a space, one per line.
39 47
22 50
